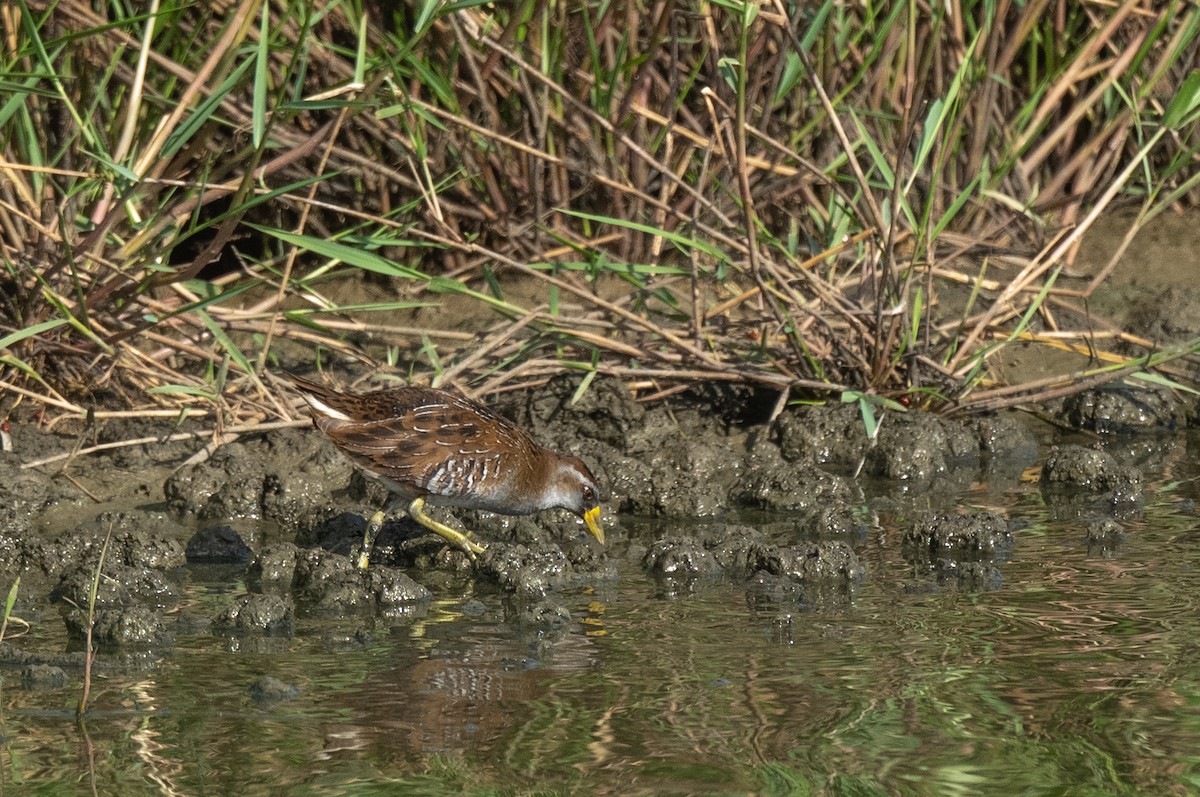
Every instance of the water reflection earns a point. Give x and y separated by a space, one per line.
1076 675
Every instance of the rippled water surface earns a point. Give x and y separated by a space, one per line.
1078 675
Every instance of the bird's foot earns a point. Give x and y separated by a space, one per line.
374 526
416 510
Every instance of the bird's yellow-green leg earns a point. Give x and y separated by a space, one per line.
374 526
455 538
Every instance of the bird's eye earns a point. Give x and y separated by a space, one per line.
589 495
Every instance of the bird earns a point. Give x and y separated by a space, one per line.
435 446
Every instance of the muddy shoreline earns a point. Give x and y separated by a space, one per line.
695 497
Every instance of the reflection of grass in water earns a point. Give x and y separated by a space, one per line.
89 653
895 694
9 602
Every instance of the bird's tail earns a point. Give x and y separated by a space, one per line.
323 400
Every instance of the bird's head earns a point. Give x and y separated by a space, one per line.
573 487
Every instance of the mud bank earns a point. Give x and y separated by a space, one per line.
695 497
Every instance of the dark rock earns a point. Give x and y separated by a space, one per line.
218 544
268 690
43 678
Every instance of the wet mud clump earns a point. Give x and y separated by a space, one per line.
809 572
121 627
827 563
1170 317
681 557
268 691
537 569
127 612
958 550
325 583
282 476
1104 537
1119 409
268 615
43 677
773 484
1078 481
911 449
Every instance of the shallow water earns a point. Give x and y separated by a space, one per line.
1078 675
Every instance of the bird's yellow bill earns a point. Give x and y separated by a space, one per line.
592 519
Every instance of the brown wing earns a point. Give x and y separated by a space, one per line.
431 440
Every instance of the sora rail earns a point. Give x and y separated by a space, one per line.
434 446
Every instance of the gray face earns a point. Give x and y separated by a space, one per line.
575 487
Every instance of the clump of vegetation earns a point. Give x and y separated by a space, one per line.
768 193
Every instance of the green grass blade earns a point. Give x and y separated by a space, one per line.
262 76
353 256
224 341
1184 103
204 111
21 334
1162 381
939 112
681 241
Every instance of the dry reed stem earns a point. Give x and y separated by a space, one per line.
654 152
